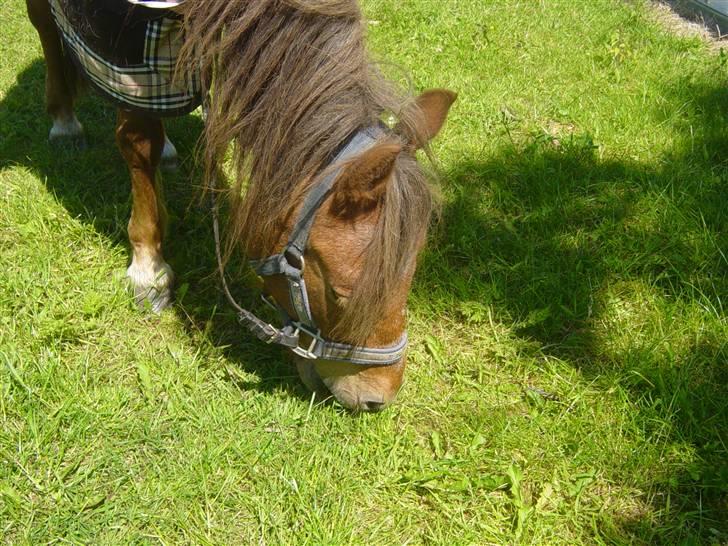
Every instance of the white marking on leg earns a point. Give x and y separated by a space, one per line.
66 126
169 151
169 155
151 279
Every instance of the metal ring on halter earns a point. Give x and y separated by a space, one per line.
288 253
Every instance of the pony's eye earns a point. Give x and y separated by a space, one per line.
341 295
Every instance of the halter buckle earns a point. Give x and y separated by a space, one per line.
307 353
315 335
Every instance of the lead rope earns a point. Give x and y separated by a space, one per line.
216 221
218 251
262 330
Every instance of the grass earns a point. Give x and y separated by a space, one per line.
569 354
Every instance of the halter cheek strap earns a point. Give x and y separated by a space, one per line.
290 263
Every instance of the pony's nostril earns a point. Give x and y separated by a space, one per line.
372 405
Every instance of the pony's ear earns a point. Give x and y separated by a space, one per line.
431 109
364 180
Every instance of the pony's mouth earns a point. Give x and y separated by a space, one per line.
330 388
310 377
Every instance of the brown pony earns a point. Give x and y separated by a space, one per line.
290 82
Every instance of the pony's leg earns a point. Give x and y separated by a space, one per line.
141 140
61 77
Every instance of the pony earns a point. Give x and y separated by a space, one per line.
291 88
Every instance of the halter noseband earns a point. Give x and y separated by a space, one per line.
290 263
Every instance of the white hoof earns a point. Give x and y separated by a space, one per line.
169 156
151 282
67 129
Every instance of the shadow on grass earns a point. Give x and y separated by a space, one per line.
93 185
542 233
547 236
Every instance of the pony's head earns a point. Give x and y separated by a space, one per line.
361 257
290 83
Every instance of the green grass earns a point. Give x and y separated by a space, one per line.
569 355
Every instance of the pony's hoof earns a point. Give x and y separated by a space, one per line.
76 142
157 300
151 290
169 164
67 133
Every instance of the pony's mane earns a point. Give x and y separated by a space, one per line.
289 81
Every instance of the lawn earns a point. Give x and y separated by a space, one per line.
569 355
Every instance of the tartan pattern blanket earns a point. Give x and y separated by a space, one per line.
128 53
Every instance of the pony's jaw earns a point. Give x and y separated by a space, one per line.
310 378
355 387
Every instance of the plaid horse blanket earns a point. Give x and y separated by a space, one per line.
128 51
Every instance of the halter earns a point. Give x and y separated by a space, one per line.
290 263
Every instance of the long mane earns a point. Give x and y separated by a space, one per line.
289 81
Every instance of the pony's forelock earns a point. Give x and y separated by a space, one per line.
289 81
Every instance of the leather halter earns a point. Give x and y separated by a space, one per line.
290 263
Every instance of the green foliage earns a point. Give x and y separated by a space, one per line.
569 357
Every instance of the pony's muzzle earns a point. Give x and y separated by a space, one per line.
356 390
